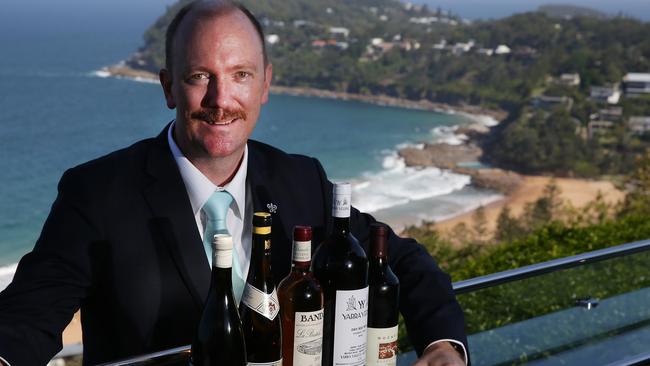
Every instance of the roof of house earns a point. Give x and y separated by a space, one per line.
637 77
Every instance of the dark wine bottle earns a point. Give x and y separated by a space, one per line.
383 311
219 339
341 267
301 306
259 304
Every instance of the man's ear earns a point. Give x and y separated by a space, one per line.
165 78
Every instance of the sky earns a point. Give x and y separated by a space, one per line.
146 11
485 9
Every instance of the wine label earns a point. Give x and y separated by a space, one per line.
350 327
341 200
308 338
274 363
264 304
302 251
382 346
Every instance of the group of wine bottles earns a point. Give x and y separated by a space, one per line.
337 308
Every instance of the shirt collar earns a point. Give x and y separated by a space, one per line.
200 188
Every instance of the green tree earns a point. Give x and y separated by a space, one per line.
637 200
508 228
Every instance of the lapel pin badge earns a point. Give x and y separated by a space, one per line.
272 208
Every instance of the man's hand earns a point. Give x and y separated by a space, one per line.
440 354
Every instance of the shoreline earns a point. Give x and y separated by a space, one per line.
475 113
572 191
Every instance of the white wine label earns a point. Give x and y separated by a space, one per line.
382 346
308 338
342 197
350 327
274 363
264 304
302 251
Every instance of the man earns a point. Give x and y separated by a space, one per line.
123 239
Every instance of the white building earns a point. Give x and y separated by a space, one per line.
485 51
340 31
595 128
272 39
639 125
636 83
502 50
570 79
376 41
609 93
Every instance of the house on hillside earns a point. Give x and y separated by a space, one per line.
485 51
547 102
502 50
636 84
570 79
272 39
639 125
339 32
611 114
440 45
599 128
322 43
462 47
607 94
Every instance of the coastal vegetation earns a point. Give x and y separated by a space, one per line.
549 228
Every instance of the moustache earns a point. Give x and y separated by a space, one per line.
218 115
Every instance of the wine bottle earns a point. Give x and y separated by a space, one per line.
219 339
341 267
383 312
301 306
260 306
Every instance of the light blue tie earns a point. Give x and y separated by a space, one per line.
216 210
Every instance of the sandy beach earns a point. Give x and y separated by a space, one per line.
577 192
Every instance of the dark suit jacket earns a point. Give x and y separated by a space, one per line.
121 243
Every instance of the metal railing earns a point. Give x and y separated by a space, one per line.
533 270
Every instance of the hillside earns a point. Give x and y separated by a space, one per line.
570 11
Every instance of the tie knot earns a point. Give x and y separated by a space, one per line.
216 208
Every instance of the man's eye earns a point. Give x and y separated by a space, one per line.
242 75
198 77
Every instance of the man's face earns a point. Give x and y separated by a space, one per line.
218 84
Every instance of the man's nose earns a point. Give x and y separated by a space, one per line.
219 94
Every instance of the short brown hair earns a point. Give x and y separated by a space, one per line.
209 7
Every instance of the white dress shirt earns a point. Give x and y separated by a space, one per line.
200 188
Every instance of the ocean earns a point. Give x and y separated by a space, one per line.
57 111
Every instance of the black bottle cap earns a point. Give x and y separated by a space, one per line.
261 219
378 239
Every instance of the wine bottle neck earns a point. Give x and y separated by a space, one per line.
261 251
222 275
301 267
381 261
341 225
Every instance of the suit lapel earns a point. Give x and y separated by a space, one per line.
269 196
174 219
